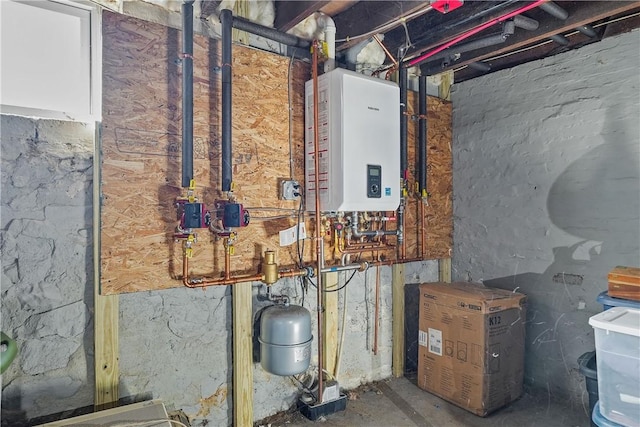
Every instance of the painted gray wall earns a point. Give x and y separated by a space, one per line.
174 344
46 265
546 185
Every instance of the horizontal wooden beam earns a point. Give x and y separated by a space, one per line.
290 13
540 51
366 16
434 28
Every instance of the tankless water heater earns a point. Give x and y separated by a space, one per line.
359 143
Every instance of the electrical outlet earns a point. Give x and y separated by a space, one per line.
289 189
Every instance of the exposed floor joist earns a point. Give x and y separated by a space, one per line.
365 16
587 13
289 13
433 29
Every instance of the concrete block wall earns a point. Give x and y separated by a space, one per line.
174 344
546 183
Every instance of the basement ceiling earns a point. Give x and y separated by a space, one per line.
413 28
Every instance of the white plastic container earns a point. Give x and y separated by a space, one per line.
617 333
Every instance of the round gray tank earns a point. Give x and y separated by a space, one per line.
285 339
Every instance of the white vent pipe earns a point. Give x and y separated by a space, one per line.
329 28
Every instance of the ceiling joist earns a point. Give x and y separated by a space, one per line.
587 13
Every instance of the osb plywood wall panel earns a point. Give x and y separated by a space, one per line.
438 211
141 144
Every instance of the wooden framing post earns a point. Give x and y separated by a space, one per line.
397 285
446 80
240 8
242 355
330 318
444 270
106 350
106 308
444 92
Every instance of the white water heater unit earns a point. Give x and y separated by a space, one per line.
359 138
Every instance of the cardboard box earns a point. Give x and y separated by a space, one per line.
471 350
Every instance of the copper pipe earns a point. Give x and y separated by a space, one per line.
227 258
364 246
228 280
319 240
395 62
377 312
369 245
382 263
291 273
185 270
351 251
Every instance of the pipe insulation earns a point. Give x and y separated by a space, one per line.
422 136
525 23
560 39
267 32
558 12
467 47
587 30
475 30
187 93
554 10
479 66
226 19
402 82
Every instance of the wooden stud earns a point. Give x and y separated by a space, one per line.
444 91
397 284
106 309
330 317
106 350
242 356
240 8
444 270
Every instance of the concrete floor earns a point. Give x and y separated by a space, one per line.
399 402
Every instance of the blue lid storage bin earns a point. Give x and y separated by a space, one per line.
609 302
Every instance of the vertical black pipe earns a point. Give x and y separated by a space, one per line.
422 136
402 81
187 93
226 19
